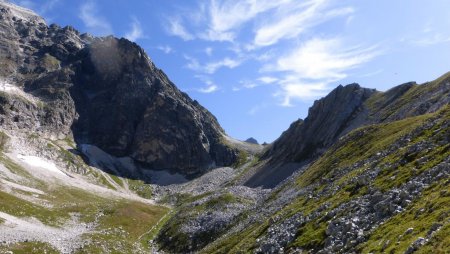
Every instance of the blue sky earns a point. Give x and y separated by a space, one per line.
258 65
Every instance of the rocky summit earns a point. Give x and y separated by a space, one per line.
103 91
101 153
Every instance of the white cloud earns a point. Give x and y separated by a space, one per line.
226 16
177 29
324 59
295 19
297 89
166 49
95 23
211 88
211 67
208 51
315 64
267 79
136 31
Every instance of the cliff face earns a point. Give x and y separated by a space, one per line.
103 91
328 119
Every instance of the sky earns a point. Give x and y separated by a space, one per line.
258 65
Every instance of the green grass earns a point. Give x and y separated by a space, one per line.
117 180
140 188
241 159
28 248
124 226
21 208
360 144
311 236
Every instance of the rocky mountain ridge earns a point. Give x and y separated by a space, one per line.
347 108
103 91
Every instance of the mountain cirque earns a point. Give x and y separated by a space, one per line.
99 147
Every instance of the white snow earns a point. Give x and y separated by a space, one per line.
97 157
40 163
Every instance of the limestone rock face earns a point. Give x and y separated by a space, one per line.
103 91
328 119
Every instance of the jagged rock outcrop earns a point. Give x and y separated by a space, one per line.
343 110
103 91
328 119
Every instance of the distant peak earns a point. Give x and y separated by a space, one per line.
252 141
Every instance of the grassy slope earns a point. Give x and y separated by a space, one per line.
122 225
345 161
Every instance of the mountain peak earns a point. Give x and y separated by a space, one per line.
105 92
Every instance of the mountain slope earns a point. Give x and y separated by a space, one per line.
345 109
381 188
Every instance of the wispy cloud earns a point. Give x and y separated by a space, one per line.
311 67
257 108
431 39
211 67
136 31
294 88
294 19
225 16
176 28
210 88
94 22
166 49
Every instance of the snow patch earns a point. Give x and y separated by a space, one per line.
40 163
